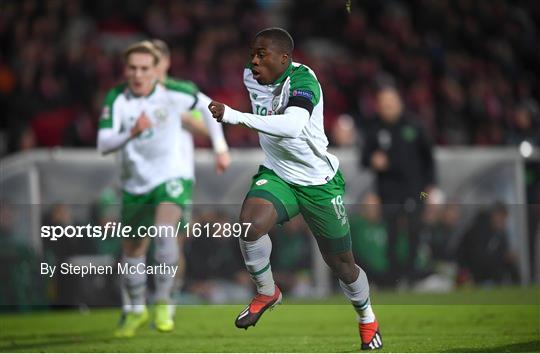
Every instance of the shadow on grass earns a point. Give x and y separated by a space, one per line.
529 347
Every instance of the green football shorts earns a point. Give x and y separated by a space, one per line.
321 206
139 209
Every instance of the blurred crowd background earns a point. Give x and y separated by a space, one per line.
467 71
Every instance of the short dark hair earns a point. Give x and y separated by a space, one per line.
162 47
280 37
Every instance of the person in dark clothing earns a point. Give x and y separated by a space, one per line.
399 152
484 252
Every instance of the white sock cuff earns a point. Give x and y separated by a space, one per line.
256 253
138 308
357 291
260 245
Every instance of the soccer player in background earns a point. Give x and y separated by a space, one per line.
141 120
191 124
298 175
191 121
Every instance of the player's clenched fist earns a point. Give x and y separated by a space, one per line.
142 123
217 109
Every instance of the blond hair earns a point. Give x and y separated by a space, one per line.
143 47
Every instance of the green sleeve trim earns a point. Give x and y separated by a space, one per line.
304 82
183 86
105 123
284 74
106 119
278 205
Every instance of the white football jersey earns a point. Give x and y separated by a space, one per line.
303 160
158 154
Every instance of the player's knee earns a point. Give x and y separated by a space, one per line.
347 275
254 232
254 227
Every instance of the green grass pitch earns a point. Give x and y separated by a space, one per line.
467 321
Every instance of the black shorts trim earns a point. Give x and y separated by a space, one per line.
278 205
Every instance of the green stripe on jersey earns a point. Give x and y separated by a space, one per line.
182 86
302 79
106 119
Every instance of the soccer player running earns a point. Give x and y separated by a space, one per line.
298 176
141 120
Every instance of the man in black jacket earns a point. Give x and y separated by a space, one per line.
399 152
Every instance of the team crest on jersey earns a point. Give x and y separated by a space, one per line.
303 93
174 188
261 182
160 114
275 103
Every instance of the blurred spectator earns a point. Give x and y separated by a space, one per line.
452 124
525 133
370 239
399 152
525 124
488 237
343 132
440 233
436 261
462 66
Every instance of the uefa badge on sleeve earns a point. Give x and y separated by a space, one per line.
105 113
261 182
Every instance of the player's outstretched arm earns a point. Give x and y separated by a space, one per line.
192 123
287 125
215 130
